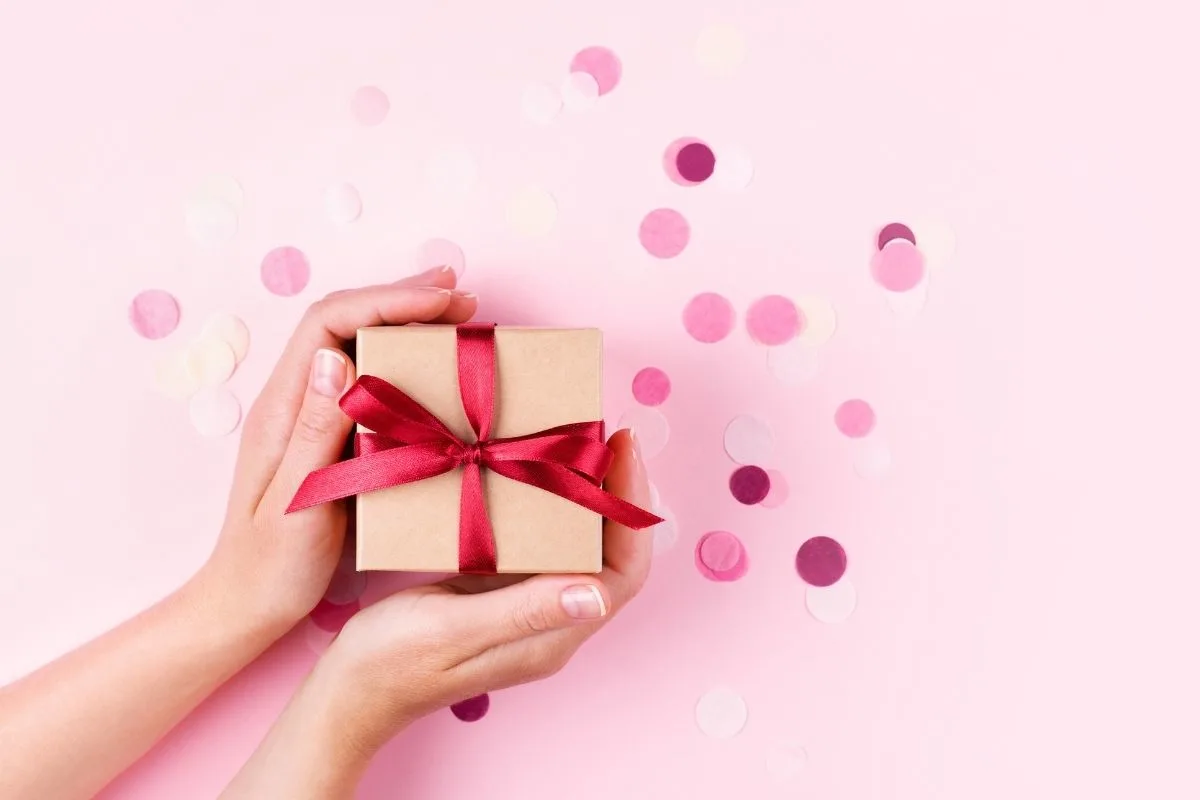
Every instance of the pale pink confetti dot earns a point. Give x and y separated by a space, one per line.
602 64
231 330
721 557
331 616
734 170
650 427
369 105
832 604
664 233
343 204
820 320
907 306
434 253
708 317
785 761
721 713
855 418
748 440
215 412
773 320
666 533
651 386
898 267
580 92
210 222
154 313
794 363
285 271
173 376
779 492
211 360
872 458
317 638
472 709
540 103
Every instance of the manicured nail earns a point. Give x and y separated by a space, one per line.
328 373
467 295
437 289
583 602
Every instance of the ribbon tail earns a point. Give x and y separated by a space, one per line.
561 481
367 473
476 542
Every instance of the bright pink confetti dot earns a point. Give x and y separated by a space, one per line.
895 230
664 233
370 105
774 320
285 271
708 317
472 709
154 313
651 386
441 253
749 485
720 556
821 561
331 616
855 418
696 162
898 267
602 64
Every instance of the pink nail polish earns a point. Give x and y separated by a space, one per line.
328 373
583 602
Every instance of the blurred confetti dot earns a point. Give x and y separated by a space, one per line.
898 267
214 412
602 64
821 561
650 427
721 713
748 440
655 499
346 586
472 709
779 492
435 253
666 533
749 485
872 458
369 105
317 638
285 271
696 162
228 329
332 616
173 376
734 169
794 363
651 386
894 231
721 557
224 188
907 306
773 320
210 221
532 212
708 317
664 233
580 92
831 604
154 314
820 320
785 761
211 360
541 103
451 172
937 240
670 160
343 203
720 49
855 418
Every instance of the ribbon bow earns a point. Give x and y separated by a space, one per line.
410 444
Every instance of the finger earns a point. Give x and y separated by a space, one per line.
627 553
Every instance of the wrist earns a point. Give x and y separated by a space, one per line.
235 609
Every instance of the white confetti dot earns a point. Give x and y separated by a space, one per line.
734 169
820 320
224 188
907 306
212 361
210 222
173 376
748 440
666 533
215 412
230 330
721 713
831 603
794 363
785 761
540 103
532 212
872 458
650 427
720 49
343 203
935 239
580 92
451 172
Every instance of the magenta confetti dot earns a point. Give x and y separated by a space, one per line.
602 64
370 106
708 317
154 313
696 162
750 485
664 233
774 320
720 556
670 160
893 231
855 418
331 616
898 267
821 561
285 271
472 709
651 386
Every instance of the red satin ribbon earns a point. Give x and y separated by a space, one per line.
411 444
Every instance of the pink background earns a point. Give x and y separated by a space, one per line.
1026 592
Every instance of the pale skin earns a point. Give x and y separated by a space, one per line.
71 727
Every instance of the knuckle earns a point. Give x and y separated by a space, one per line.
530 618
312 426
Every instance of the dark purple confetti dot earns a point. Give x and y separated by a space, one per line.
472 709
750 485
821 561
696 162
895 230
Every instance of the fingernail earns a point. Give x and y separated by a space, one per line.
467 295
583 602
328 373
437 289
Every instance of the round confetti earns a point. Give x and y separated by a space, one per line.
541 103
708 317
332 616
855 418
898 267
655 499
872 458
720 49
580 91
748 440
937 240
211 360
318 639
734 169
472 709
821 561
602 64
451 172
343 204
650 427
721 713
907 306
831 604
285 271
651 386
749 485
211 222
666 533
346 586
532 212
369 105
173 376
215 412
779 491
224 188
785 760
435 253
696 162
664 233
154 313
794 363
721 556
820 320
773 320
894 231
230 330
670 160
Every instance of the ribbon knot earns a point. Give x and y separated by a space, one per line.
410 444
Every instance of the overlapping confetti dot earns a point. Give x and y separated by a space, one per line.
820 319
721 557
651 386
285 271
602 64
154 314
580 92
689 161
649 426
894 231
540 103
734 169
173 376
472 709
332 616
832 604
666 533
855 418
231 330
214 412
773 320
370 105
721 713
821 561
779 491
664 233
749 485
211 360
898 267
435 253
748 440
709 317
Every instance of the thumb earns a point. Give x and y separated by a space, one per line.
537 605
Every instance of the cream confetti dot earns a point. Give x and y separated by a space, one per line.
820 320
343 203
230 330
832 604
215 412
785 761
451 172
748 440
734 170
650 427
210 222
211 360
872 458
173 376
580 92
540 103
720 49
532 212
935 239
794 363
224 188
666 533
721 713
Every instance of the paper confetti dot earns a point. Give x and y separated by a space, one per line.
708 317
224 188
749 485
721 557
831 604
215 412
651 386
332 616
369 105
779 492
580 92
894 231
872 458
820 320
907 306
855 418
734 169
318 639
898 267
451 172
720 49
721 713
666 533
794 363
472 709
650 427
937 240
154 314
173 376
211 222
285 271
435 253
696 162
602 64
346 586
343 203
785 760
655 500
532 212
670 160
748 440
821 561
540 103
773 320
211 360
664 233
230 330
